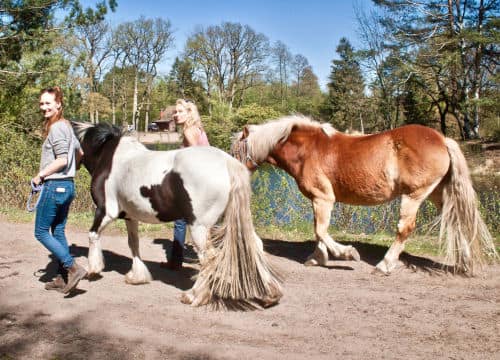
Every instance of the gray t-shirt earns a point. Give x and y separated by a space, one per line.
60 142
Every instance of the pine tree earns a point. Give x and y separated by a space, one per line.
182 83
345 89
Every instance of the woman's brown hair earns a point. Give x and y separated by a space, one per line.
58 96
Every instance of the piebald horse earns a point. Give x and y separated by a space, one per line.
412 162
203 185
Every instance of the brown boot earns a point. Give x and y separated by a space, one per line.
56 284
175 261
75 274
171 265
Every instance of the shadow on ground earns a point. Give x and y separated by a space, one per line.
369 253
295 251
122 264
22 335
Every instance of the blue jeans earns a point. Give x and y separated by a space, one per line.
51 216
180 231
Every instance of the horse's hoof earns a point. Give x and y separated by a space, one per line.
269 301
311 262
385 267
378 271
91 275
354 254
187 299
129 280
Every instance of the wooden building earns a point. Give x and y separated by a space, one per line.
166 121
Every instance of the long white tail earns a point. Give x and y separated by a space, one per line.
237 272
467 239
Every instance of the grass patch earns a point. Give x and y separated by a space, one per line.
82 221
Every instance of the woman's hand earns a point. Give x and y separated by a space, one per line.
37 180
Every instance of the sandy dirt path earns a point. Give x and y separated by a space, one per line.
339 312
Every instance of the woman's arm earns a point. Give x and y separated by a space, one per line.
79 156
53 167
191 136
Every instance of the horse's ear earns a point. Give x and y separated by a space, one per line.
271 160
246 132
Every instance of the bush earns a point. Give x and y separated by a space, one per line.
19 162
218 126
253 114
222 123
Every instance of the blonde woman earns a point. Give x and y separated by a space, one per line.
185 114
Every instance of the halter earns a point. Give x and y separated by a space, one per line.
34 190
242 152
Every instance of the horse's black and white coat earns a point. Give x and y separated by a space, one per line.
203 185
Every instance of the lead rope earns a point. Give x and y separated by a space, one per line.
35 189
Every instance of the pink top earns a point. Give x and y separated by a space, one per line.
202 140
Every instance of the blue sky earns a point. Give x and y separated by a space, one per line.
312 28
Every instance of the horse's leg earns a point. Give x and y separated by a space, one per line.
95 257
322 212
139 274
406 224
199 235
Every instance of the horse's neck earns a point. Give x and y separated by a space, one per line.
286 158
305 147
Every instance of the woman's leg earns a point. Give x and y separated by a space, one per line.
180 231
46 214
65 193
177 253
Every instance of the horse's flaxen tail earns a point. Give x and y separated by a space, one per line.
464 233
238 272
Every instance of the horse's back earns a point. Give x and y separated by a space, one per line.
376 168
154 186
421 153
205 176
201 164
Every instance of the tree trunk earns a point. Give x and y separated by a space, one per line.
475 122
442 118
476 80
134 104
113 102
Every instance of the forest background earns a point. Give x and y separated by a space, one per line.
431 62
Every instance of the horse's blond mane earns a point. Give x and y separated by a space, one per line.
264 137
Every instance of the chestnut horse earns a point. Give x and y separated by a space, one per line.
201 184
412 162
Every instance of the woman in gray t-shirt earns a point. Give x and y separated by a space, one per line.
60 153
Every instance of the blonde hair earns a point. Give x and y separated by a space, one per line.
194 118
58 97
